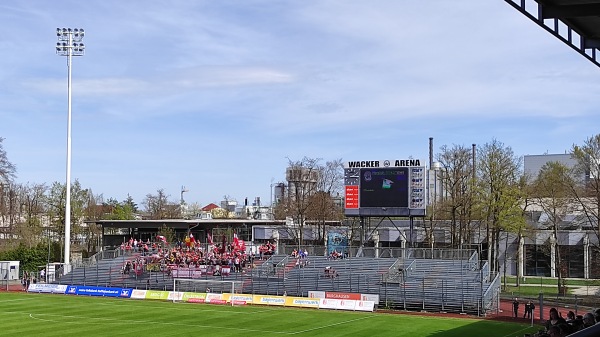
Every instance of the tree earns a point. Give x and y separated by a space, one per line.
167 232
551 193
312 197
159 207
194 209
56 202
29 257
587 192
131 204
33 201
457 184
7 190
93 210
119 210
9 206
7 169
324 203
303 177
80 201
499 175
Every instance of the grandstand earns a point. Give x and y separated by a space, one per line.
434 280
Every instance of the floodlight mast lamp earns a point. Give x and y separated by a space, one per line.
69 44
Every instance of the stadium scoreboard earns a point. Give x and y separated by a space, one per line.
385 188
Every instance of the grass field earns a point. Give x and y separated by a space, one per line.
23 314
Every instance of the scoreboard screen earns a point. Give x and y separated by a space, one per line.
385 187
386 190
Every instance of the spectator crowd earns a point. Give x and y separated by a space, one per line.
190 257
558 326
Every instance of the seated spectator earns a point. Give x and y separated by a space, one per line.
334 255
588 320
577 324
554 319
556 331
330 272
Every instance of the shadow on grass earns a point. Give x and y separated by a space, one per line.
488 328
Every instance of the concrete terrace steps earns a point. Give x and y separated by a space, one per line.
102 273
431 285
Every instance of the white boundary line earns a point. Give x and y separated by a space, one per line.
86 320
199 308
69 319
330 325
516 332
168 305
17 300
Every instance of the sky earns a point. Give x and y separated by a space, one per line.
219 96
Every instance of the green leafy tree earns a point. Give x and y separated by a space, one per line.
552 193
587 192
119 210
57 205
499 175
30 258
167 232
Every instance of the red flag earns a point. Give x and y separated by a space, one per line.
192 238
209 237
162 238
223 244
238 244
236 241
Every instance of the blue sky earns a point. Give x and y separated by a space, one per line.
217 95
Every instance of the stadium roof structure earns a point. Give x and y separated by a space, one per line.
183 223
574 22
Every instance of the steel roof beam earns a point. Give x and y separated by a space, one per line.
584 45
570 11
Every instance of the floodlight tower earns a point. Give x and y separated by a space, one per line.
69 44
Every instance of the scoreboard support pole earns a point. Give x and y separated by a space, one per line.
362 231
412 226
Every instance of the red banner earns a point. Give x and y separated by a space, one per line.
342 296
351 196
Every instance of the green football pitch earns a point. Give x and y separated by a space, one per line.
23 314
